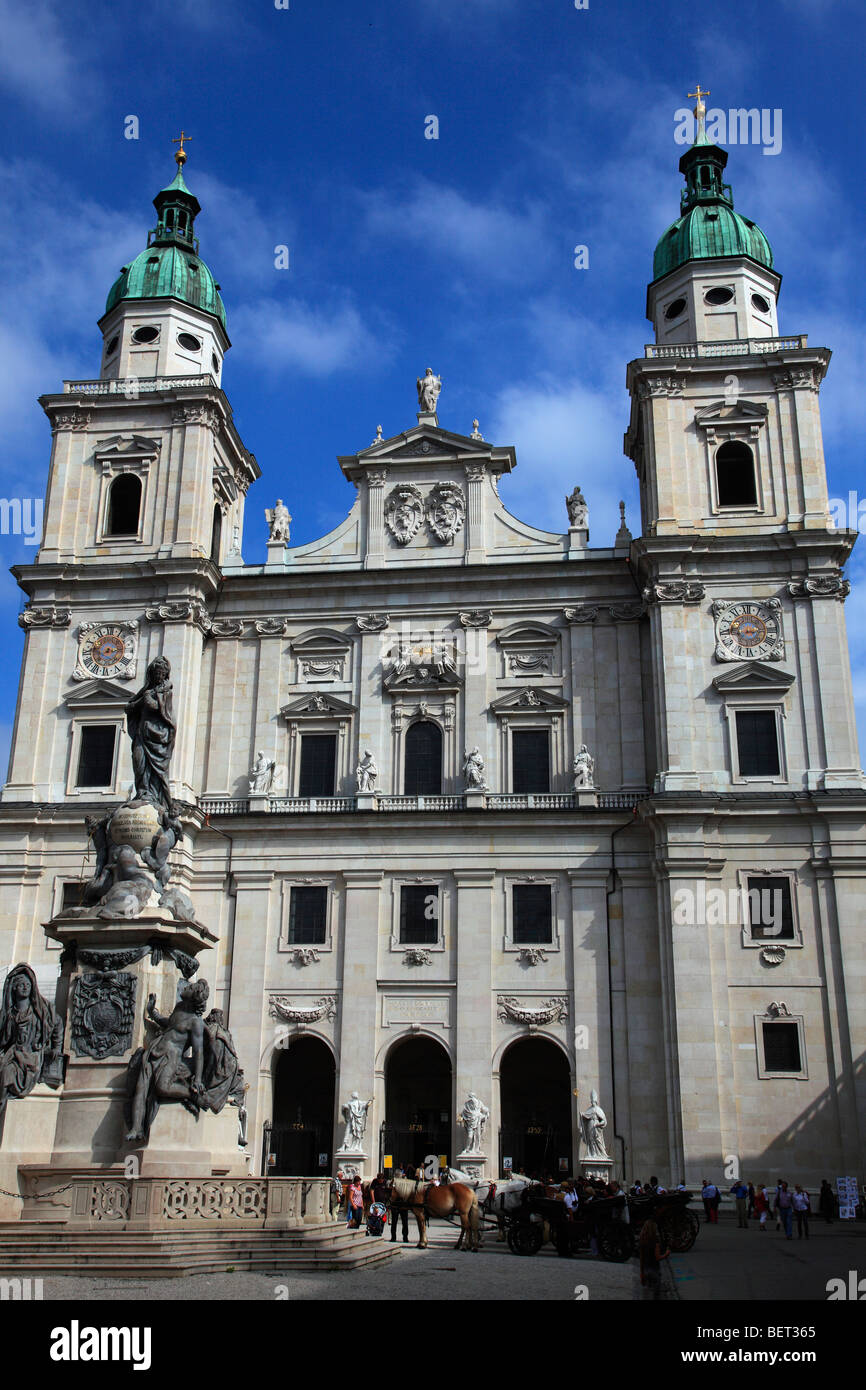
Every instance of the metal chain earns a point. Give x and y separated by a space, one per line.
37 1196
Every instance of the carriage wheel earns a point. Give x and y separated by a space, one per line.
679 1230
526 1238
615 1242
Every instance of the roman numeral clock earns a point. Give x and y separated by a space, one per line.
749 631
107 650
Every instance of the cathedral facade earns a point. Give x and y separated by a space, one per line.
484 819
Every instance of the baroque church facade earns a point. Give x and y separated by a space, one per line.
473 808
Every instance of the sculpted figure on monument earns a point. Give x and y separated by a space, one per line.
429 387
578 511
473 770
474 1117
31 1038
152 730
261 775
366 772
355 1115
592 1124
583 768
278 519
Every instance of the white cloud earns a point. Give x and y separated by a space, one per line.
35 62
276 334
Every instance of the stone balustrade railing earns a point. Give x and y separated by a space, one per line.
490 801
135 385
741 347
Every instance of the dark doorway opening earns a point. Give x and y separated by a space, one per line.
535 1093
417 1102
303 1128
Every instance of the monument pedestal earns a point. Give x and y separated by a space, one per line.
26 1136
585 796
475 798
365 801
352 1162
474 1165
276 555
597 1168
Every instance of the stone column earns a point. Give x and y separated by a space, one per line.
358 1009
252 1028
375 556
474 1009
476 481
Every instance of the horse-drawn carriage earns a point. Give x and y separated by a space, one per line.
678 1227
599 1219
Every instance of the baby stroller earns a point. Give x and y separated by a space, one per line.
376 1218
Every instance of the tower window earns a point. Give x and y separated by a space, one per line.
419 914
96 755
675 308
216 535
533 917
761 304
147 334
758 743
318 765
112 346
720 295
782 1047
124 506
308 909
530 760
735 475
423 768
214 363
187 341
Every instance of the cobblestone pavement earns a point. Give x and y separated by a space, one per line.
438 1273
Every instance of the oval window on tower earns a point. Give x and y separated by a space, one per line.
761 304
112 345
214 363
147 334
720 295
675 308
187 341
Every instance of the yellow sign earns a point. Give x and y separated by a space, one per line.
443 1160
388 1161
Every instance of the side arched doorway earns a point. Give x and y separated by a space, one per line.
303 1123
535 1097
417 1102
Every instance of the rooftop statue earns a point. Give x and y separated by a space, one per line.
429 387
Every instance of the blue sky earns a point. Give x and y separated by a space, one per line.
556 128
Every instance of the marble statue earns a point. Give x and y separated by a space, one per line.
473 771
355 1115
366 772
151 727
223 1076
31 1038
261 775
583 768
474 1117
592 1125
578 511
278 519
429 387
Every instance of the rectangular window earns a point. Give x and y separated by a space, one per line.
758 743
419 914
530 758
308 912
782 1047
96 756
318 764
72 895
533 917
771 915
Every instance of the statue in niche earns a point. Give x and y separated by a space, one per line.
474 1117
151 727
583 768
366 773
429 387
578 511
278 520
592 1125
355 1115
31 1038
473 770
261 775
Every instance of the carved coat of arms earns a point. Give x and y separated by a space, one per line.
446 510
404 512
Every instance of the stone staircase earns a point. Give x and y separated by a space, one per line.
47 1247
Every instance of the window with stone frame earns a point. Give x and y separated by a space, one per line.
422 774
419 914
771 911
124 506
308 915
530 760
758 743
532 913
782 1051
318 765
96 755
735 475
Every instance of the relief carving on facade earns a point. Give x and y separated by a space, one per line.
180 611
47 616
373 622
404 512
445 511
476 617
674 591
583 613
821 586
281 1006
227 627
553 1010
103 1014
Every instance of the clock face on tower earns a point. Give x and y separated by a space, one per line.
749 631
106 649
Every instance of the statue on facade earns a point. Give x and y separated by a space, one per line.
366 773
429 387
473 771
31 1038
261 775
592 1126
583 768
151 727
355 1115
474 1117
223 1075
578 511
278 520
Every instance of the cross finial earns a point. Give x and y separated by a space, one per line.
180 155
700 110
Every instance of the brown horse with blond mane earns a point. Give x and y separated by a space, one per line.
427 1199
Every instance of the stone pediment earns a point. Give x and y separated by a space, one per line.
427 443
319 705
97 692
530 701
753 675
134 445
731 414
322 640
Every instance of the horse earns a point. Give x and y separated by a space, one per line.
425 1199
495 1198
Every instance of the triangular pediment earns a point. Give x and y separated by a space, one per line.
317 705
753 675
426 443
731 413
135 445
97 692
529 701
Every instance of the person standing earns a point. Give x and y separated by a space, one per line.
827 1202
785 1209
762 1207
355 1202
751 1210
711 1197
652 1252
802 1207
740 1193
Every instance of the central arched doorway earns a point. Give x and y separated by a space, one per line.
303 1125
535 1094
417 1102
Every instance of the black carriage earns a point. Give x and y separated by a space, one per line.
598 1218
678 1227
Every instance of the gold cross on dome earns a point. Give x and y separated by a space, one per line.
180 155
699 94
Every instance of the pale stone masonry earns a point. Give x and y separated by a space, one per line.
431 604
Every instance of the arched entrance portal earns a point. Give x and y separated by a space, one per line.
303 1124
417 1102
535 1092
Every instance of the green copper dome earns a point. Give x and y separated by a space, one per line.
708 227
170 267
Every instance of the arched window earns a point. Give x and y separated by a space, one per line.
735 475
124 506
423 775
216 535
